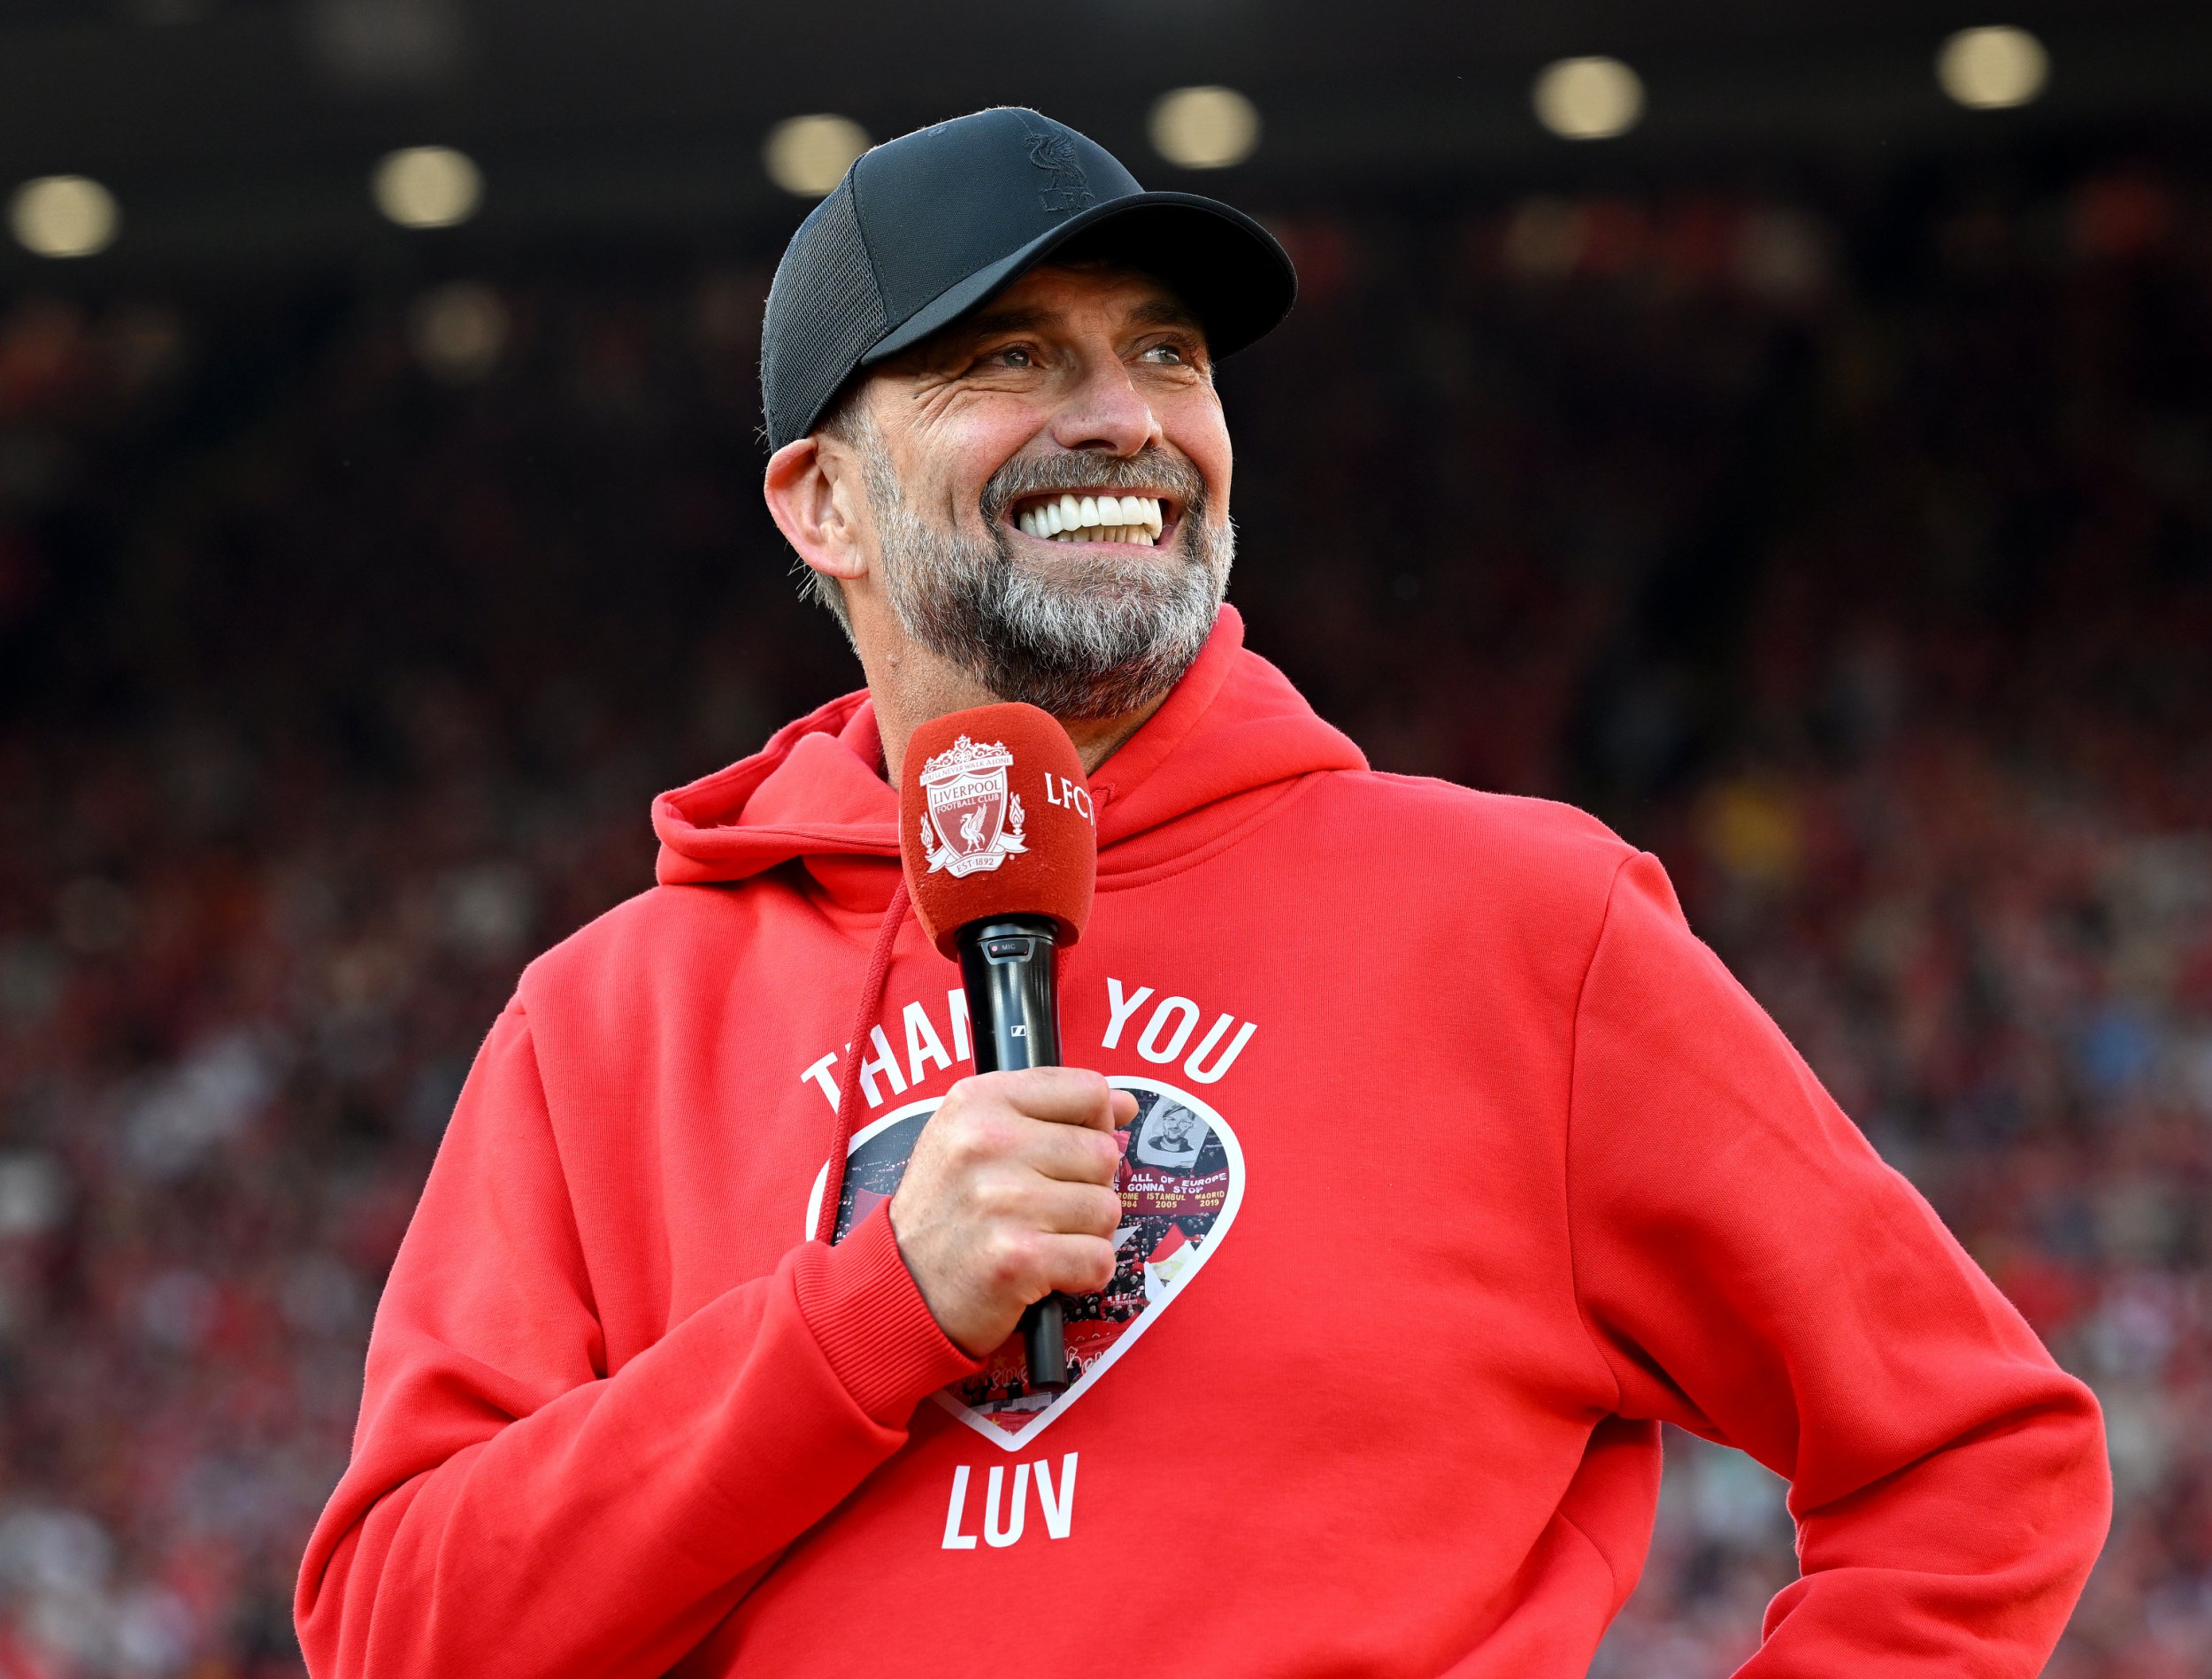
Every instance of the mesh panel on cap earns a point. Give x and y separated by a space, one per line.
826 278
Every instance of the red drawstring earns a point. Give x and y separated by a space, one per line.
855 1053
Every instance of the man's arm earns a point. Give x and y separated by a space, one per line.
1752 1271
511 1507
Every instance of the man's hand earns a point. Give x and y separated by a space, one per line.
1010 1197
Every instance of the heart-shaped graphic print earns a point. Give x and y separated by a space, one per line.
1182 1180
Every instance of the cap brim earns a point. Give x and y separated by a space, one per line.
1228 268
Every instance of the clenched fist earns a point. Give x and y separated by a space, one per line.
1010 1196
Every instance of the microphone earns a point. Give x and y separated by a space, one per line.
1000 846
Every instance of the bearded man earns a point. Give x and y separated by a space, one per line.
624 1418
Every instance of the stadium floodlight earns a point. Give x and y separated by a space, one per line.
1992 69
63 216
1204 127
1592 98
427 187
809 156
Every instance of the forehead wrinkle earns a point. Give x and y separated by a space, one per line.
1016 318
1165 311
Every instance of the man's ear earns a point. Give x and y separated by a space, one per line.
815 494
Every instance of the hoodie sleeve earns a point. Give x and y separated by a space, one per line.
1752 1271
510 1508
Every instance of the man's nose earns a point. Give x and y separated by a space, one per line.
1106 413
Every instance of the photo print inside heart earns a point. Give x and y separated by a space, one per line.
1181 1181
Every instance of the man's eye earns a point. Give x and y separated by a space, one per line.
1014 356
1166 354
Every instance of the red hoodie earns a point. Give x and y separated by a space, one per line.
1460 1164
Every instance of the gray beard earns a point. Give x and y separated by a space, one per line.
1083 635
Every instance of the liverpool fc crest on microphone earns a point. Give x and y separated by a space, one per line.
971 825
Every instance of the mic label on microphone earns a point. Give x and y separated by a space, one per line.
1061 791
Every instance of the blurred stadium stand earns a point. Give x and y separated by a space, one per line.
1837 524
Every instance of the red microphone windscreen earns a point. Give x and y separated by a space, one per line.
996 819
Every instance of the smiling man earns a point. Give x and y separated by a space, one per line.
1030 504
1390 1411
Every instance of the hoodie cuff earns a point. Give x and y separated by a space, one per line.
873 1326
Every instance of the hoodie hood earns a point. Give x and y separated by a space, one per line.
1233 735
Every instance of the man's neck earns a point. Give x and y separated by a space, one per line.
911 687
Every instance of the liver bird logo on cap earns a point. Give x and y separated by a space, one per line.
971 825
1069 187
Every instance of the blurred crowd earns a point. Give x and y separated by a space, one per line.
1849 545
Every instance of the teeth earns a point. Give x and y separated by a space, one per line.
1095 518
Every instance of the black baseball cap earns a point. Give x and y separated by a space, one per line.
925 228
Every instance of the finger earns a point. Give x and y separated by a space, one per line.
1073 1209
1065 1095
1071 1154
1075 1264
1124 1108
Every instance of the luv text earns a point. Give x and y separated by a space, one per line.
1003 1516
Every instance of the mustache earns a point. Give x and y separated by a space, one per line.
1152 468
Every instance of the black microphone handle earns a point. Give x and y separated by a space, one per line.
1008 964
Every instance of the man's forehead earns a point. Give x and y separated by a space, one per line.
1065 294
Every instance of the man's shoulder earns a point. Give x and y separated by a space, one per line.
644 944
1511 884
1425 821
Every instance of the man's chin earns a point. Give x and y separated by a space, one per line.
1085 631
1121 661
1110 576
